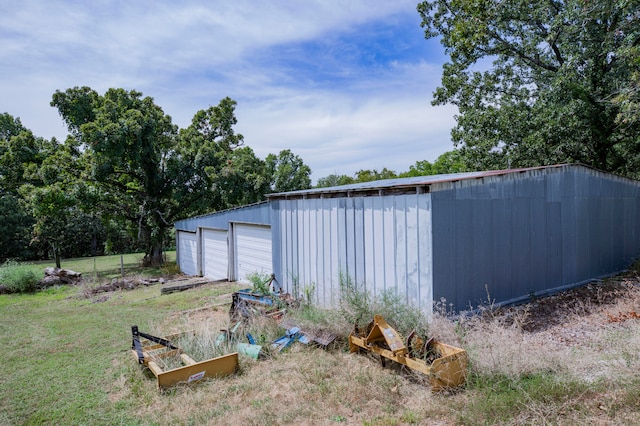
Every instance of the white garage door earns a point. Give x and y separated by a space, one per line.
215 254
188 252
252 250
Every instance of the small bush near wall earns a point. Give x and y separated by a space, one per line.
357 306
18 277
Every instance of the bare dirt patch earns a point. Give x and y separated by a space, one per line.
574 317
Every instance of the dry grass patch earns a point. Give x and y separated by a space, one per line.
304 385
560 360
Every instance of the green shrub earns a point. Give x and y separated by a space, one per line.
18 277
355 304
260 281
358 307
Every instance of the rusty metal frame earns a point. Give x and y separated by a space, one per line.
447 370
148 350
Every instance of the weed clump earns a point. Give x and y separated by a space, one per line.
18 277
358 307
261 282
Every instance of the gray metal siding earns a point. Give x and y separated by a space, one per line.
529 233
382 243
259 214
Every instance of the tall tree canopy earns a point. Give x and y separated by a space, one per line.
130 140
549 95
287 171
153 174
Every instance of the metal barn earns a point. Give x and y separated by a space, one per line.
227 245
466 237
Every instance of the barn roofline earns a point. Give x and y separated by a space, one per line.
413 185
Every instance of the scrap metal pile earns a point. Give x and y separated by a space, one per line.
444 365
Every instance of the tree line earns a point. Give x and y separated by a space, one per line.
124 175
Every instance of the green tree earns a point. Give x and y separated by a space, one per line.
130 139
9 126
628 98
51 206
242 180
547 95
15 228
287 172
334 180
449 162
211 168
371 175
150 173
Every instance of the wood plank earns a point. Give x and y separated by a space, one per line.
187 360
182 287
155 368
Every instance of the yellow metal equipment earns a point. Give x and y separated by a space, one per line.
150 351
445 365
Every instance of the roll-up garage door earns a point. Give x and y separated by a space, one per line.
252 250
188 252
215 254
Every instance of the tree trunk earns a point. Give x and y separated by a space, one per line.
155 256
56 255
154 234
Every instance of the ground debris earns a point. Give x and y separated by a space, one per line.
572 317
59 276
124 284
184 284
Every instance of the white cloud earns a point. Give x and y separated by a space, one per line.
337 114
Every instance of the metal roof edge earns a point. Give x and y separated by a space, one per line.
220 212
415 182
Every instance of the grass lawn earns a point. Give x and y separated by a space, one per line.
61 352
107 266
66 360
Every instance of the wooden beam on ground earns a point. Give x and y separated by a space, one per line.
182 287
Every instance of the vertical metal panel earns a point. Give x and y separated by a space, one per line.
425 258
188 252
521 250
358 254
215 254
276 245
369 244
259 214
548 229
334 252
553 245
378 242
413 246
375 241
499 238
252 250
389 243
350 238
400 237
313 243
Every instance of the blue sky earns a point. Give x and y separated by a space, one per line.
346 85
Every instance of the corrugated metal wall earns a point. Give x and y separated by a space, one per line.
505 238
259 214
383 243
